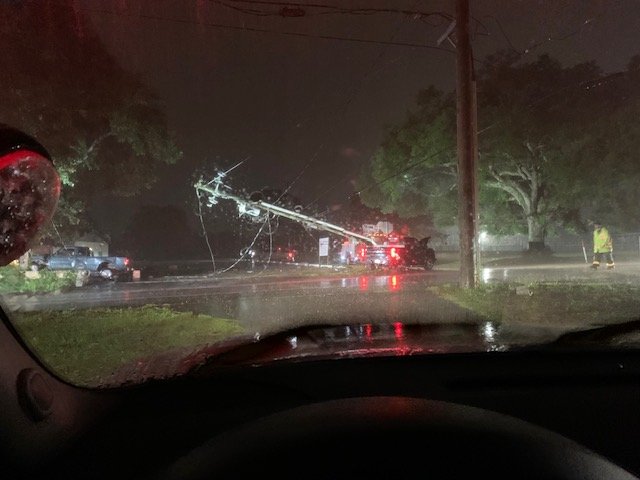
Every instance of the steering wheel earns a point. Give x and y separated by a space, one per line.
391 437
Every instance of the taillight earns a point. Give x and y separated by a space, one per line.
398 330
126 262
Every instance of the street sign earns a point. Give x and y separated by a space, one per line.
323 247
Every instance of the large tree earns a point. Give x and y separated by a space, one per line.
105 130
161 233
551 140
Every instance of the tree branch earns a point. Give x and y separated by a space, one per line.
513 188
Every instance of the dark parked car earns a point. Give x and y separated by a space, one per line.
411 252
418 253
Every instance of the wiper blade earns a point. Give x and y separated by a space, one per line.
270 345
600 335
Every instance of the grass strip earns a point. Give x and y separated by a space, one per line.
549 303
87 346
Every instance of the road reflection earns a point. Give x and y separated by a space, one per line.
492 275
364 283
399 338
556 272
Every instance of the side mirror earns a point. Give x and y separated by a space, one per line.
29 192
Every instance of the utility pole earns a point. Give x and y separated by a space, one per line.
467 148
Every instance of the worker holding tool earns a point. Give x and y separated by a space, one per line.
602 245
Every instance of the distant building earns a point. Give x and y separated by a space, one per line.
97 244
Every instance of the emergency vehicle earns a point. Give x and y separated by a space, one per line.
377 245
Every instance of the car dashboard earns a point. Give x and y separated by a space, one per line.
527 413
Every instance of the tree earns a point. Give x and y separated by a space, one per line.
414 170
160 233
610 159
105 130
545 136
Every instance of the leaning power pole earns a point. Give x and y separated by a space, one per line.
467 148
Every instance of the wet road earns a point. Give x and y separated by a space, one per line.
626 272
267 302
263 302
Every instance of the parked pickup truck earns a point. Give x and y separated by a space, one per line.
82 259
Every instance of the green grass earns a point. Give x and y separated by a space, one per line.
12 280
553 303
86 347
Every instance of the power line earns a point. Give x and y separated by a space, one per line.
247 249
521 53
406 169
259 13
354 93
350 99
565 36
204 231
504 34
601 79
267 31
339 9
335 9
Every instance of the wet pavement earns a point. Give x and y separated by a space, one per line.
267 302
264 302
624 272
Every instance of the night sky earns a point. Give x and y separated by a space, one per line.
311 109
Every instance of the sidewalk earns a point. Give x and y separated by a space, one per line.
570 269
522 268
522 260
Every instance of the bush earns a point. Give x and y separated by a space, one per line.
13 280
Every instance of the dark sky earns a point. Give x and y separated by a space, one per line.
301 106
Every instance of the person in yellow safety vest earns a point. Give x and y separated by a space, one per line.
602 245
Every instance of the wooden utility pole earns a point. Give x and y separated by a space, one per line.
467 149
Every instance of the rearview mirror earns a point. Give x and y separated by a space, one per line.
29 192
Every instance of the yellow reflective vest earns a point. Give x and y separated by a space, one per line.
602 242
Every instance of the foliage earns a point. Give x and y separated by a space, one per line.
556 148
105 130
413 172
13 280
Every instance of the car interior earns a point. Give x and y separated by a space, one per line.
310 402
552 413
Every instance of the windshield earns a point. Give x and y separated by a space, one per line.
350 177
